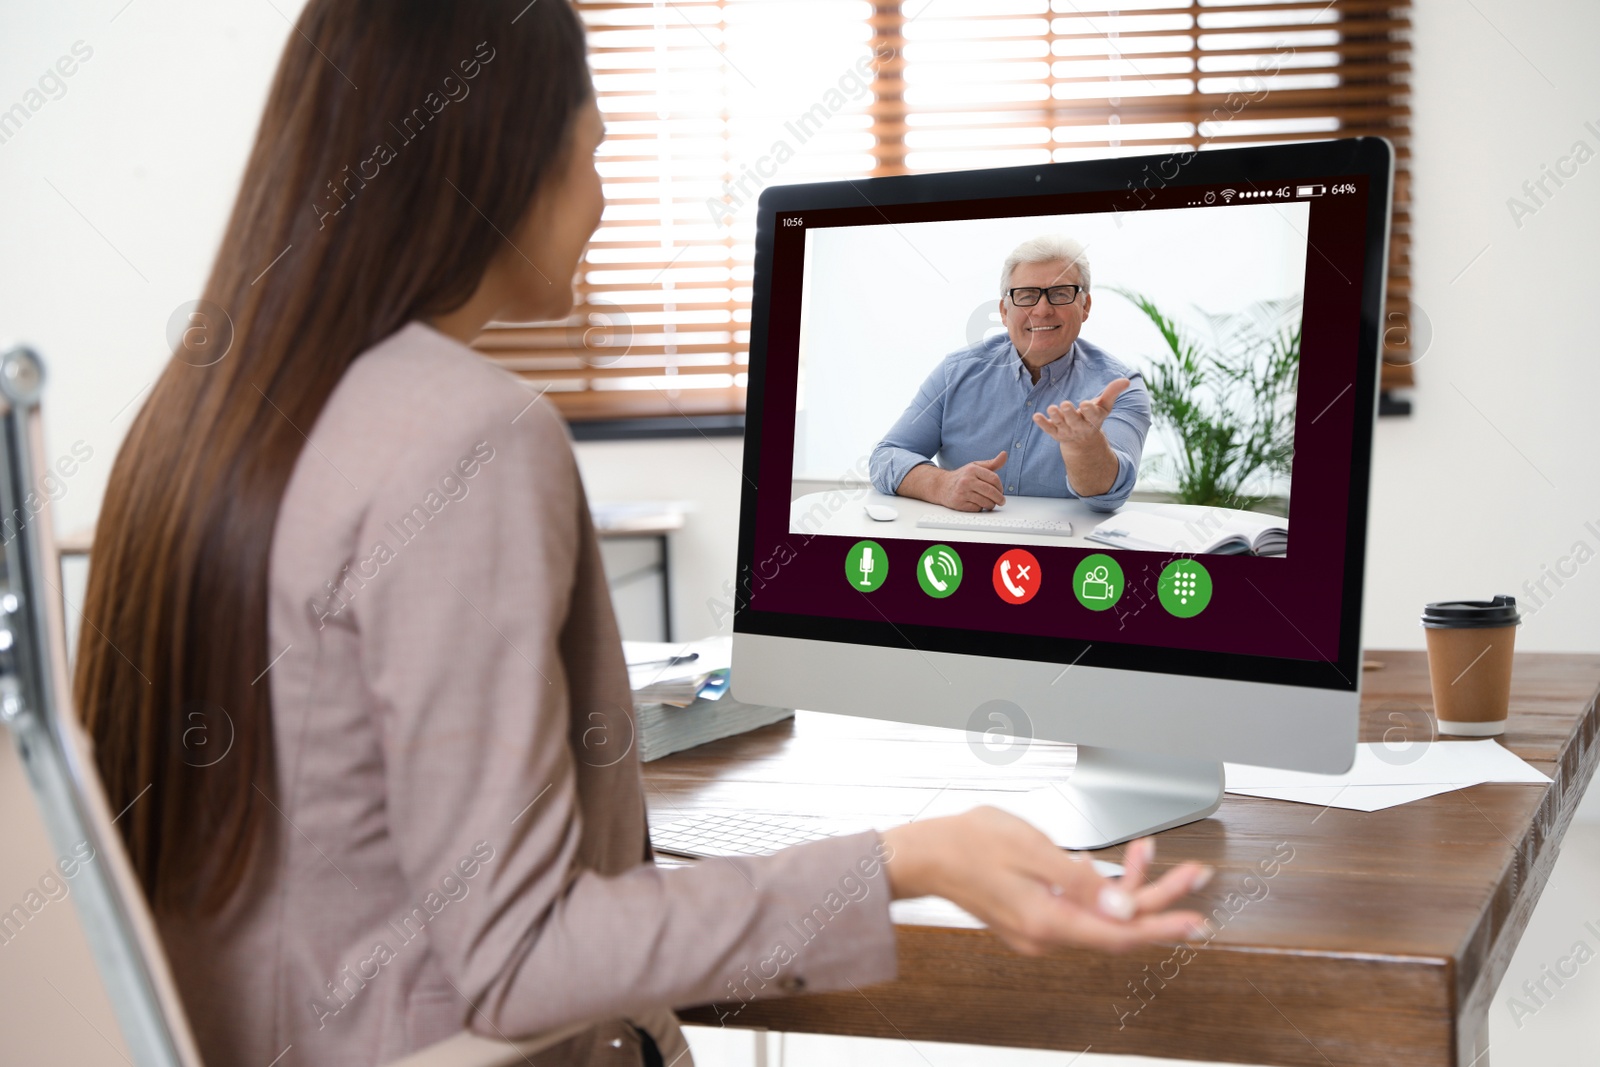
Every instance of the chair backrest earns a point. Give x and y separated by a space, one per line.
88 862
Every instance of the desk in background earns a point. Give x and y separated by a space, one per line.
839 513
1381 941
649 521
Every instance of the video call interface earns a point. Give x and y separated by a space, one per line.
1066 416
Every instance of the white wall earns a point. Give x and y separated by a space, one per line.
148 140
1496 474
113 197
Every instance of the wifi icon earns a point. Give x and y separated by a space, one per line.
939 571
1228 195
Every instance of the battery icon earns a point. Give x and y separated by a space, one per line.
1310 190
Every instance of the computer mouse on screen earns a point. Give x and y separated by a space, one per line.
881 512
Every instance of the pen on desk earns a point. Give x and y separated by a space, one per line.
670 661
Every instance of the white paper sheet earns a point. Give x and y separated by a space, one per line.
1354 797
1384 776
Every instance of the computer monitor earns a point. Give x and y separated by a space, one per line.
1164 621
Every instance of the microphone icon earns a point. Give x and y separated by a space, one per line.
866 565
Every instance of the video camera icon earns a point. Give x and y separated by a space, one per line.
1097 585
1097 582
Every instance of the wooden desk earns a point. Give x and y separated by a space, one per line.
1380 941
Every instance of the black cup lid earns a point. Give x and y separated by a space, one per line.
1471 614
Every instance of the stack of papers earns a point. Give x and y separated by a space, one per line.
1385 776
677 672
683 704
664 730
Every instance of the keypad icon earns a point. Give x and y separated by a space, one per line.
1184 588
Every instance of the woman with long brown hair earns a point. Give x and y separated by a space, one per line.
350 663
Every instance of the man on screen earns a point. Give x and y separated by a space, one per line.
1035 411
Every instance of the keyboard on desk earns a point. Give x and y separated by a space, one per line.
754 833
989 522
735 834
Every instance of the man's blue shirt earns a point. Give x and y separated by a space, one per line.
981 399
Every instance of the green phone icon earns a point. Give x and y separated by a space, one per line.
939 571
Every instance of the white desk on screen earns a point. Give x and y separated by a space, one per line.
839 513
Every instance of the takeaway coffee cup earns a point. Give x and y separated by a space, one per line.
1469 663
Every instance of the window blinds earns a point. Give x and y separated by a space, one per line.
707 102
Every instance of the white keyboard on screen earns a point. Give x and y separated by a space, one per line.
989 522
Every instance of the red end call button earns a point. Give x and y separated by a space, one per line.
1016 576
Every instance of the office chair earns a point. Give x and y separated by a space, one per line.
128 987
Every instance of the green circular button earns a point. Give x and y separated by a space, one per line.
1184 588
1097 582
939 571
866 566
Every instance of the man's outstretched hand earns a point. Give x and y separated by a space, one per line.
1078 426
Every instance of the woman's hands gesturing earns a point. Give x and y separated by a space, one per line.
1033 895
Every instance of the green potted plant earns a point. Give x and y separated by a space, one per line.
1223 397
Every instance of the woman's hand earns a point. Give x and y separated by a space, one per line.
1035 896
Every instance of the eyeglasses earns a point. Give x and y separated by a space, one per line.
1028 296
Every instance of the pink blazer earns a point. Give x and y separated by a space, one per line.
458 814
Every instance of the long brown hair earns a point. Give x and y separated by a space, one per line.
400 140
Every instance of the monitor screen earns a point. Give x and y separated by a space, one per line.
1172 397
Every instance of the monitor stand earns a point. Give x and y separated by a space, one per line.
1115 795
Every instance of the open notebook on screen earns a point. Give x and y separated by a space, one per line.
1180 528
